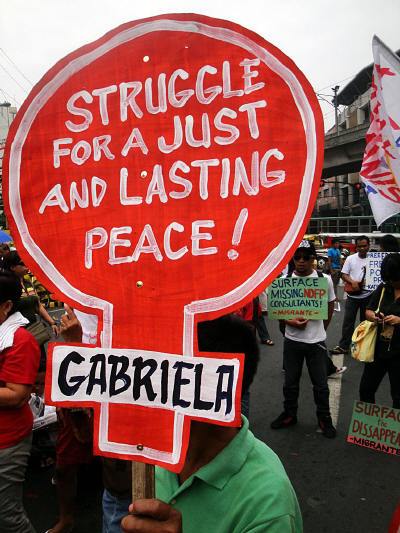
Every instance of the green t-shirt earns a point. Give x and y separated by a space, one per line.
243 489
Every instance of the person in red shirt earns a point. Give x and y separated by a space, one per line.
19 363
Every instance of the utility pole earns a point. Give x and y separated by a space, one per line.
335 105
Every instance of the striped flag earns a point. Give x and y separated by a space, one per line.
380 171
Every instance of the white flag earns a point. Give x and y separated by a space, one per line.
380 169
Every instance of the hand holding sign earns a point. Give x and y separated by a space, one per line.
71 328
159 176
152 515
299 323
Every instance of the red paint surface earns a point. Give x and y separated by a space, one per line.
151 317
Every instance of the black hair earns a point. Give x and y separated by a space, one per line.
11 260
389 243
231 334
390 268
4 246
334 241
10 289
362 238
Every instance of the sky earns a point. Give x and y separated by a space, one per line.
330 41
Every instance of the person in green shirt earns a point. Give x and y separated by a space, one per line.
231 482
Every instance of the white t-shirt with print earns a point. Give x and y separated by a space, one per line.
314 330
354 267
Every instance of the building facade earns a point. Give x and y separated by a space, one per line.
342 205
7 115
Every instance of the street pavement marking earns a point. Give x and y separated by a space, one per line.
335 386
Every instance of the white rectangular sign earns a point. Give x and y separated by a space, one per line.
373 273
195 386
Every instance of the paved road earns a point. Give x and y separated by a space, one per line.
341 487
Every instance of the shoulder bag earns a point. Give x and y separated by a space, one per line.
348 287
364 338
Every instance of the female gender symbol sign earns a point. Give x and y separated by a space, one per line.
157 177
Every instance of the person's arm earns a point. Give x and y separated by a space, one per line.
355 284
372 317
373 304
392 320
152 516
14 395
45 315
331 307
347 279
346 274
41 310
299 323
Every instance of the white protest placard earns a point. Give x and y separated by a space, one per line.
373 273
299 297
198 387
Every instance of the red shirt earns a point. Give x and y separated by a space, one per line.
18 364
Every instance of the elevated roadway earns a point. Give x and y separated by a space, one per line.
344 152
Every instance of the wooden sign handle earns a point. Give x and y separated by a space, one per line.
143 483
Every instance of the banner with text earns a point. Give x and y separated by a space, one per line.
380 171
298 297
376 427
200 387
175 161
373 273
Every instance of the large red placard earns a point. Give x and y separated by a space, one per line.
159 176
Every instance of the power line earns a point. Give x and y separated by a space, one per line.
12 77
16 67
9 97
320 98
335 83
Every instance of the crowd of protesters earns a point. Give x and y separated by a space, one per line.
25 303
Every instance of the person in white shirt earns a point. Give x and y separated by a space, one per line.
353 274
305 339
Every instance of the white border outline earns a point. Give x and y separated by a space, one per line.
201 306
210 364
